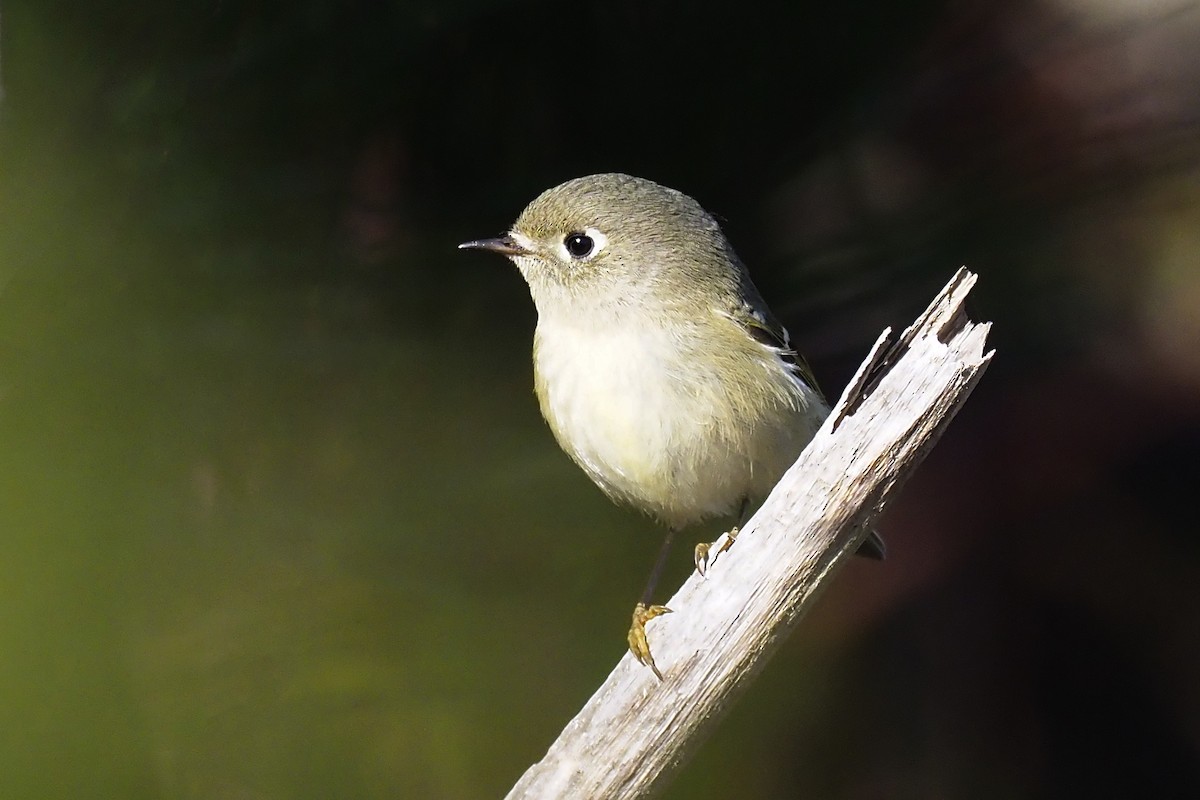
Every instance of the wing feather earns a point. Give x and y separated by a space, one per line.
767 330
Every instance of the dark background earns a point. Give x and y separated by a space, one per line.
279 518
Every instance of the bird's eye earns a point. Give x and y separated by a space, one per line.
582 244
579 245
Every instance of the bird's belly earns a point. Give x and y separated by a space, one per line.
613 409
654 429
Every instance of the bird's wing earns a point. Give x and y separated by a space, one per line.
762 325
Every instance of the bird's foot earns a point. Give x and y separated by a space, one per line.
638 644
704 551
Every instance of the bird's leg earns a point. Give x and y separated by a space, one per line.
725 540
644 611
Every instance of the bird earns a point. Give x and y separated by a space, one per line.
658 366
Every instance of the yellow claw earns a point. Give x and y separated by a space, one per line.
638 644
704 548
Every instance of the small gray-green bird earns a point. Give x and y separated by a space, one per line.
657 364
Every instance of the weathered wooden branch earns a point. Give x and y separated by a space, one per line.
635 731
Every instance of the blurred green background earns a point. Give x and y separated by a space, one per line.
279 518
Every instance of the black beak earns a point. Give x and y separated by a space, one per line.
505 245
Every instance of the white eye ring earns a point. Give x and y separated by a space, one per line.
582 245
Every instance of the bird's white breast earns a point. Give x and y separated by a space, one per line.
610 399
642 414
